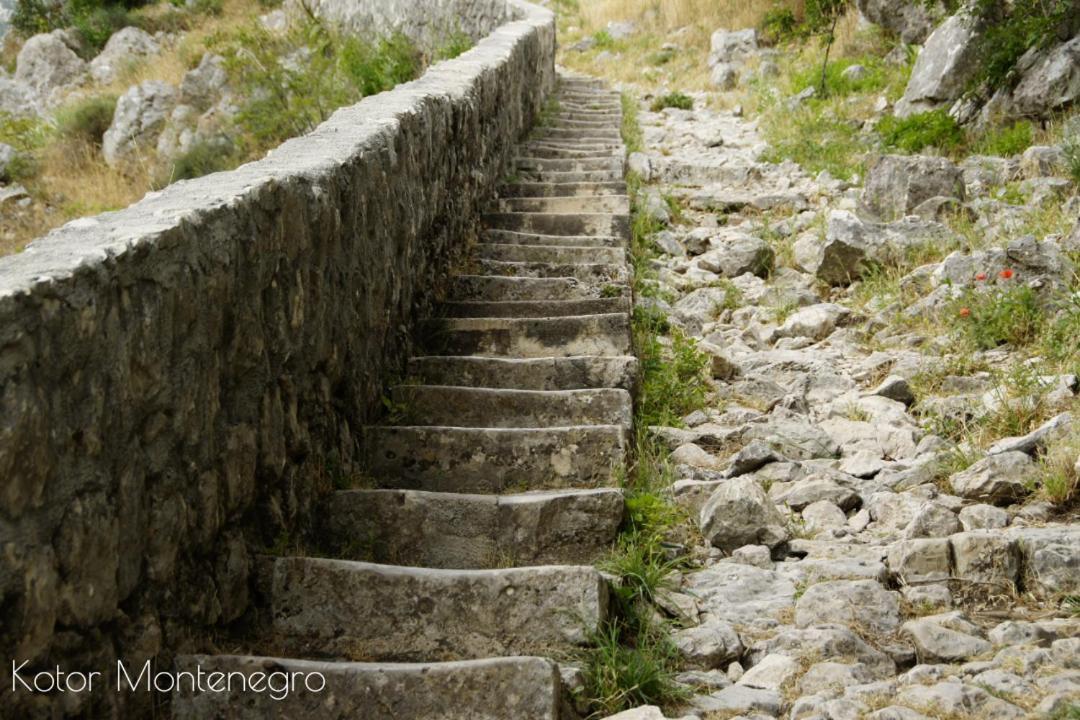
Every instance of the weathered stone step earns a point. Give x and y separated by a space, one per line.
456 406
618 204
571 103
610 124
524 688
604 164
549 223
531 337
558 254
558 177
325 607
536 308
570 189
550 152
493 461
576 141
452 530
551 373
502 288
512 237
608 133
596 274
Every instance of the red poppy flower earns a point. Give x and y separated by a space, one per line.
1006 274
980 276
964 312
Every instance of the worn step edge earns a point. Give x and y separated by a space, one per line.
455 530
484 460
548 373
535 308
367 611
607 334
462 406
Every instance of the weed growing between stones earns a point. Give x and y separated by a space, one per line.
673 100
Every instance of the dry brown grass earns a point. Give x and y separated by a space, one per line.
671 15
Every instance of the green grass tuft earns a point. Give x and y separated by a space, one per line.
922 130
672 100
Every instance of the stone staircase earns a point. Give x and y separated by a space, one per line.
456 579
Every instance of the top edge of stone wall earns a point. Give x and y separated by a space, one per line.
88 243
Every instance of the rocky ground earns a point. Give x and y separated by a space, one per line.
875 545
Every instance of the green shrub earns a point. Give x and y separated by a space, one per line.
1011 29
25 134
95 20
86 120
673 100
327 71
779 25
935 128
993 316
1006 141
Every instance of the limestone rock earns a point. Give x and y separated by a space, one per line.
823 515
203 85
897 184
815 322
860 603
126 47
47 65
772 672
740 513
707 646
732 46
724 76
920 561
983 517
987 557
944 67
945 638
1049 80
932 520
997 478
140 115
913 22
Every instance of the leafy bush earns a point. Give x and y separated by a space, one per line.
1005 313
95 20
1012 28
779 25
673 100
602 40
1006 141
935 128
86 120
292 83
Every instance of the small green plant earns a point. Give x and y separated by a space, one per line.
602 40
632 135
1006 141
203 158
1008 312
1057 480
1011 29
86 120
455 43
935 128
672 100
817 141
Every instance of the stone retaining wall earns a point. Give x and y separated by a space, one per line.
182 379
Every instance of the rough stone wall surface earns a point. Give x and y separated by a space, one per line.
180 380
428 22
